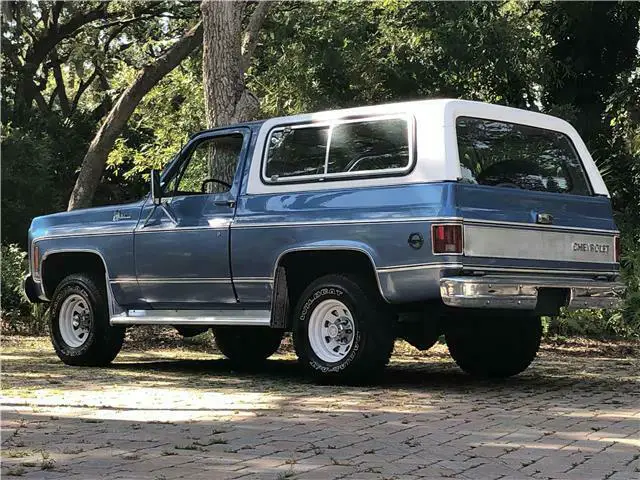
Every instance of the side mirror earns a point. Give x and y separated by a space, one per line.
156 190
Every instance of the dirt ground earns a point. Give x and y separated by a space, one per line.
171 409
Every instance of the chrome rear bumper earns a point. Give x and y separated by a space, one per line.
522 292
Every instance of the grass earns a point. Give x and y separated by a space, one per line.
47 462
18 453
16 471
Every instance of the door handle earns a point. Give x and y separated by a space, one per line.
225 203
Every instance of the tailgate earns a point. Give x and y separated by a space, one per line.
516 229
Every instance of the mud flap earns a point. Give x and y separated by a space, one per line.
280 304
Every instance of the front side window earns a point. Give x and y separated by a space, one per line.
209 167
519 156
343 149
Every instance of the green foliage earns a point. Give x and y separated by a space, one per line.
13 268
162 123
550 56
340 54
17 314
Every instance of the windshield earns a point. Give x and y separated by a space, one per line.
519 156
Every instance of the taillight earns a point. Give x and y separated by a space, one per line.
446 238
35 261
617 250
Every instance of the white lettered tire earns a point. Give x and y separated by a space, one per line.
79 323
342 329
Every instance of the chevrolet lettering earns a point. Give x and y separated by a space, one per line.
348 229
591 247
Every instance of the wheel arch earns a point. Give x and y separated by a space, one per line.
56 264
290 277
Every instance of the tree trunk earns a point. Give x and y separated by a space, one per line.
226 54
96 157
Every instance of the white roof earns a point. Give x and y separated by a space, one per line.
437 158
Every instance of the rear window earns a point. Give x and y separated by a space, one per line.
519 156
353 148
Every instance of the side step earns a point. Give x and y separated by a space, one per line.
193 317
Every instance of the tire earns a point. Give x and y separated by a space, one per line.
497 347
246 346
342 329
83 298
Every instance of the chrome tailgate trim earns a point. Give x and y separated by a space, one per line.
536 244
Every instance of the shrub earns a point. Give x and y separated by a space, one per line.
18 315
13 270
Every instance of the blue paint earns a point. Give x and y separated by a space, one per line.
154 263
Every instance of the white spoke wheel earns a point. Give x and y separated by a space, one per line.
331 330
75 319
79 322
342 330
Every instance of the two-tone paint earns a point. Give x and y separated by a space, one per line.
222 250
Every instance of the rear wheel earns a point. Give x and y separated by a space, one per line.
342 330
79 323
500 346
247 345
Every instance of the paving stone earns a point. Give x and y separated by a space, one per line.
565 418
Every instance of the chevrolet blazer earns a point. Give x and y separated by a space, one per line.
349 228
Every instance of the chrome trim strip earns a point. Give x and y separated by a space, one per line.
404 268
83 234
538 226
477 268
113 306
253 280
190 280
329 248
193 317
407 117
544 245
454 220
343 222
222 226
183 280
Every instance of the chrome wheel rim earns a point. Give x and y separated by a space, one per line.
75 320
331 330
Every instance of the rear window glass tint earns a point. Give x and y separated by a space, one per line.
296 151
369 145
519 156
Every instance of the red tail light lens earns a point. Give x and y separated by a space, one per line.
446 238
617 249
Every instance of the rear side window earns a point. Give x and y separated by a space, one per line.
519 156
367 146
352 148
296 152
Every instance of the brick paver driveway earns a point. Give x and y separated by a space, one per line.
165 414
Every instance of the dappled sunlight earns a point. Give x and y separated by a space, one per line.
164 410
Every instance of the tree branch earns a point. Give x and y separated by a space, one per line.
55 11
96 156
252 33
60 88
84 84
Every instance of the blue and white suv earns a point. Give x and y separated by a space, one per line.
350 228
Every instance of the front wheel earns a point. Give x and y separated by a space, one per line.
342 330
79 323
499 346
